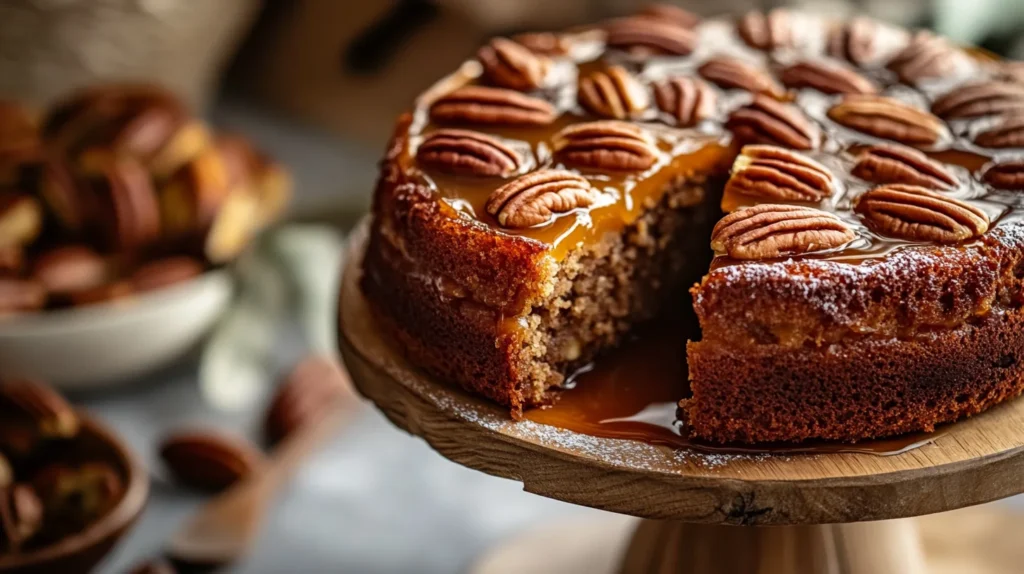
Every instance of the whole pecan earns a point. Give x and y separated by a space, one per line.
855 40
606 145
888 118
48 411
926 56
728 72
773 230
779 174
981 99
920 214
21 515
891 163
1005 175
545 43
670 13
767 31
828 78
512 65
612 93
1008 131
209 461
688 100
533 199
770 122
466 152
646 35
487 105
315 385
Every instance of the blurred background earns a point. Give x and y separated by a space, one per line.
317 84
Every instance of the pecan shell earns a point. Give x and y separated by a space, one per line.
487 105
606 145
729 72
535 198
612 93
209 461
1005 175
772 230
21 515
49 412
855 41
779 174
890 163
647 35
467 152
512 65
920 214
828 78
888 118
770 122
982 99
767 31
670 13
313 386
688 100
926 56
1007 132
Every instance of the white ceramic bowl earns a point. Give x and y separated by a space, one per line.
110 343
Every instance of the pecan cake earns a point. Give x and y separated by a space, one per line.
858 185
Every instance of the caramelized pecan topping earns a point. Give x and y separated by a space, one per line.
688 100
1007 132
466 152
607 145
888 118
772 230
1005 175
983 99
890 163
920 214
646 35
511 65
926 56
486 105
670 13
544 43
855 41
767 31
612 93
770 122
729 72
535 198
828 78
776 173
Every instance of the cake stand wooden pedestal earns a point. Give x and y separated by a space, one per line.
703 513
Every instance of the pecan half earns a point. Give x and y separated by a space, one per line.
487 105
670 13
855 40
512 65
209 461
828 78
982 99
770 122
926 56
544 43
646 35
688 100
729 72
48 411
920 214
1007 132
779 174
773 230
313 387
535 198
606 145
1005 175
612 93
890 163
767 31
21 515
888 118
466 152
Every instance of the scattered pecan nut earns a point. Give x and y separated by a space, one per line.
727 72
856 40
313 386
512 65
21 219
890 163
21 515
645 35
828 78
612 93
1007 131
1005 175
688 100
50 414
606 145
772 230
209 461
982 99
767 121
670 13
466 152
779 174
926 56
888 118
535 198
769 31
920 214
487 105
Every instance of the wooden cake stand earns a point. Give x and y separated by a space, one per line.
703 513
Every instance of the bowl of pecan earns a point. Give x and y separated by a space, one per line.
69 487
120 214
